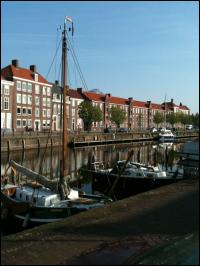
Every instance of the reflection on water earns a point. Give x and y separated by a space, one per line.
47 162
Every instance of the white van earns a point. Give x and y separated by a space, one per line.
189 127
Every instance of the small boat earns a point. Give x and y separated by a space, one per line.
166 135
136 176
35 203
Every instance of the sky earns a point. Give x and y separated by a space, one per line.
147 50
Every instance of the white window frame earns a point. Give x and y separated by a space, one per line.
20 123
37 89
24 86
24 99
19 85
6 103
29 88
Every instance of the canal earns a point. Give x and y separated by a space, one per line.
48 161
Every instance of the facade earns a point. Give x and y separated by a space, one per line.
6 103
30 101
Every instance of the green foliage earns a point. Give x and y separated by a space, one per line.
158 118
171 118
195 120
89 114
117 115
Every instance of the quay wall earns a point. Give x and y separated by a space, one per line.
37 140
149 218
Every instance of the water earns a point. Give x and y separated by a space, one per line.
47 162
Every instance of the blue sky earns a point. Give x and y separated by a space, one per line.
141 49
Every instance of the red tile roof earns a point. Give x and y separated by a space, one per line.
139 104
157 106
94 96
11 71
118 100
75 94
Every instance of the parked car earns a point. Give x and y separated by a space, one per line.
109 130
122 129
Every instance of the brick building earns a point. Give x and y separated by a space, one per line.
31 97
29 100
6 103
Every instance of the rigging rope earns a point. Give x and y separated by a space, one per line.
77 63
53 59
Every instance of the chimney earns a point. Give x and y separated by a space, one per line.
80 90
130 98
149 103
172 100
15 63
33 68
181 104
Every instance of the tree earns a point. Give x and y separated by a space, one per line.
184 119
89 114
158 118
195 120
171 118
117 115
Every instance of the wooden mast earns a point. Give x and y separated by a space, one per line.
64 88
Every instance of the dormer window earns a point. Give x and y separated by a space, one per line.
36 77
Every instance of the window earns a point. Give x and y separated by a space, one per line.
29 87
44 90
23 86
48 102
37 89
37 112
29 122
44 101
19 85
6 90
48 91
44 123
19 98
6 103
48 112
24 111
29 111
24 99
29 100
18 123
24 123
18 111
44 112
37 100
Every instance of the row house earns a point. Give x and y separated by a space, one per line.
74 98
31 97
6 103
29 100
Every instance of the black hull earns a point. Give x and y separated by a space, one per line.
127 186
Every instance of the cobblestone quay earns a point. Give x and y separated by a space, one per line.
163 213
